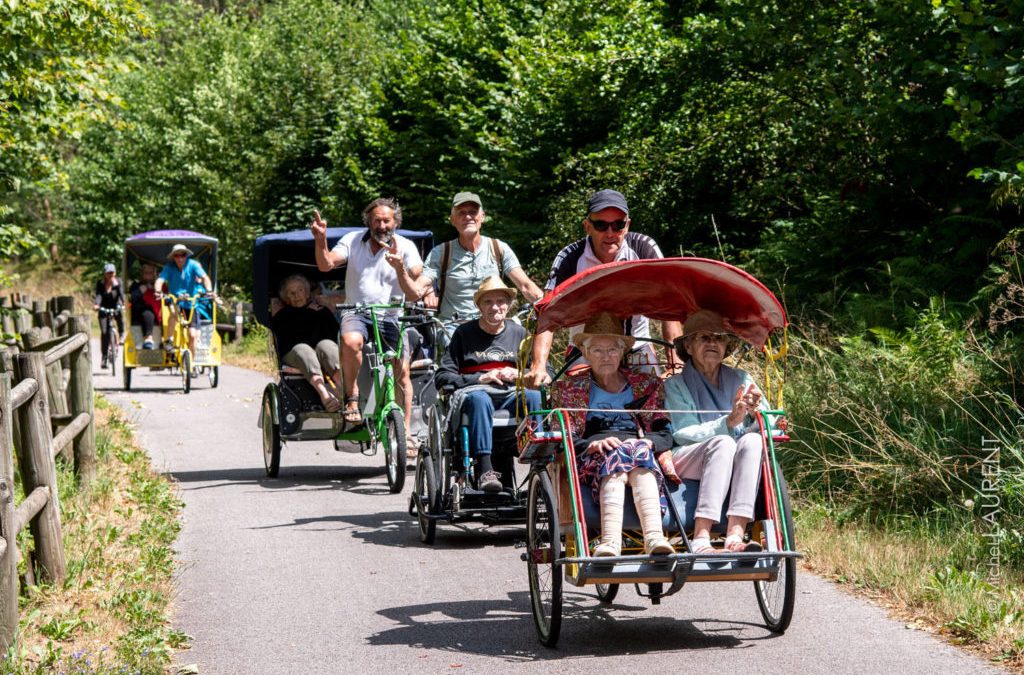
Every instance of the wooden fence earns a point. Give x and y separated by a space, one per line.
41 418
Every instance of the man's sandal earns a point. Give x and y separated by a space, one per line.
351 412
735 544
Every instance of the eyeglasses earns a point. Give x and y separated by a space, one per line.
603 225
603 352
711 337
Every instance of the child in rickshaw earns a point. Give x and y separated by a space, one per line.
718 449
483 352
307 338
616 448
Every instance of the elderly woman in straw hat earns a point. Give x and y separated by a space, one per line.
719 443
617 445
483 352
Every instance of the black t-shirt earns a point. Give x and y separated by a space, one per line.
111 299
302 325
472 347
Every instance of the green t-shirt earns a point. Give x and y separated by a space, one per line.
466 271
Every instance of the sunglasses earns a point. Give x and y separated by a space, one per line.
603 225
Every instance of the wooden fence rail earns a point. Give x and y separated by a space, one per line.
40 418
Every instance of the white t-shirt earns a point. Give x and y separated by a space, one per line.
369 278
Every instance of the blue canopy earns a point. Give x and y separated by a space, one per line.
276 256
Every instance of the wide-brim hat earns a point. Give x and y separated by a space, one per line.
704 321
604 324
178 248
493 283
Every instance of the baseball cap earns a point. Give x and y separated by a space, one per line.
463 197
604 199
109 267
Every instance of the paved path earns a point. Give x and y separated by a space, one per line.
322 571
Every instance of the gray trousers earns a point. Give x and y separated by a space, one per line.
716 463
314 361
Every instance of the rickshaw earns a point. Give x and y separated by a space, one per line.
290 408
153 248
562 518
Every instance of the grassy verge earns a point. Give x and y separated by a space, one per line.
110 614
252 351
916 569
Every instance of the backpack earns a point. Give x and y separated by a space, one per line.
446 258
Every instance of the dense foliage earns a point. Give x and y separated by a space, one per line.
862 157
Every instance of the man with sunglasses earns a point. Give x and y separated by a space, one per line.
608 240
186 276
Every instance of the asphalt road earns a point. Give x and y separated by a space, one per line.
321 571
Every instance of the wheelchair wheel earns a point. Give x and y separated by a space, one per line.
394 450
186 371
543 547
214 375
777 598
436 441
271 433
126 377
606 592
426 497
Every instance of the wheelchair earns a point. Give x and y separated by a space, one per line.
445 487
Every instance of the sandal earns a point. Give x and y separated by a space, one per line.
735 544
331 403
702 546
351 412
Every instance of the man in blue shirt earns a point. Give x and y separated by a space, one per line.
185 276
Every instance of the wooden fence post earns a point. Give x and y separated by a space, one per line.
38 469
7 366
39 339
64 302
40 314
9 556
80 399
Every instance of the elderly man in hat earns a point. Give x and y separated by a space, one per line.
483 352
608 239
457 267
185 277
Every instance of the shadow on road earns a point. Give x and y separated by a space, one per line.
505 629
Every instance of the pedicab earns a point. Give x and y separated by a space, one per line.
153 248
563 520
291 410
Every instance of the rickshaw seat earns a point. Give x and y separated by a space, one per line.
684 496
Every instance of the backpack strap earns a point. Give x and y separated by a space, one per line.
498 259
446 259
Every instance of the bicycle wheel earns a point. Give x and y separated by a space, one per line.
126 377
426 497
776 599
112 350
606 592
271 433
186 371
394 450
214 374
543 548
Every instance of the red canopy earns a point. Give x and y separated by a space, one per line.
666 289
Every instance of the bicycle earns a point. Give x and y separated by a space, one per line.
113 336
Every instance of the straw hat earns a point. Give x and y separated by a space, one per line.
178 248
703 321
493 283
605 324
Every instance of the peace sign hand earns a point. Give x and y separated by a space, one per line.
318 227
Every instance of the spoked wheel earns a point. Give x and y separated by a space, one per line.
777 598
126 377
394 450
271 433
436 441
606 592
214 375
186 371
543 547
426 497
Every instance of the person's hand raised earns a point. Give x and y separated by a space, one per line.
319 226
739 407
393 257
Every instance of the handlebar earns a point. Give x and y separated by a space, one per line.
111 310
